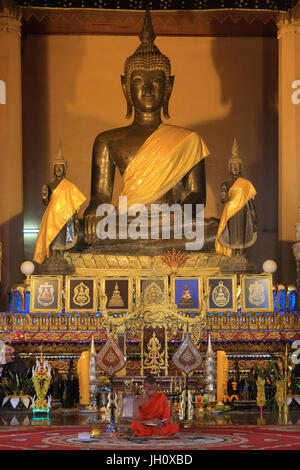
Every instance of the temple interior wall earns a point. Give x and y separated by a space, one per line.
225 87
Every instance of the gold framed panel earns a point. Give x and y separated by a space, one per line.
187 290
46 294
154 350
142 282
81 294
256 292
222 293
116 294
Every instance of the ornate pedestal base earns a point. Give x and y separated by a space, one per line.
93 264
237 265
55 265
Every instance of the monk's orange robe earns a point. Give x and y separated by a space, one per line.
156 408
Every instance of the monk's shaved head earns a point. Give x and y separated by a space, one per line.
150 380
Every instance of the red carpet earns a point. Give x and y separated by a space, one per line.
51 437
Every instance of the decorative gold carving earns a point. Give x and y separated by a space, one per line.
101 265
174 259
41 378
155 357
213 322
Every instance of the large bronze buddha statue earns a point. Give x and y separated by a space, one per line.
158 163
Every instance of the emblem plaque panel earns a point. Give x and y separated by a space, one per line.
81 294
222 293
46 294
256 293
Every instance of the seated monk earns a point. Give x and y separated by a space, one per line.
151 412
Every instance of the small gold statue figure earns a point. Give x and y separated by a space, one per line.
186 298
116 299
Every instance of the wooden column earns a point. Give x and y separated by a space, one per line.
11 171
289 141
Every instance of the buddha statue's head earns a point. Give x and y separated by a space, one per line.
235 163
59 165
59 170
147 82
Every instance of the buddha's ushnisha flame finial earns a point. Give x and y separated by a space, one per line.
235 147
147 56
235 155
147 34
59 159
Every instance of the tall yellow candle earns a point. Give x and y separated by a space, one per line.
222 374
83 371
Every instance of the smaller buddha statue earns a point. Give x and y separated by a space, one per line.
60 224
186 298
237 228
59 166
116 299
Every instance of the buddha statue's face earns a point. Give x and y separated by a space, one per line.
235 169
147 90
59 170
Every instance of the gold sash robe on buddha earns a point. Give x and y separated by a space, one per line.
66 199
162 161
238 195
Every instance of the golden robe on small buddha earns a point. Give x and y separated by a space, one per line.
65 201
237 228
